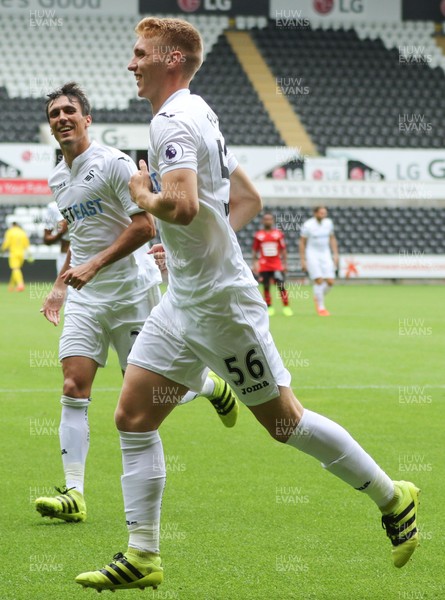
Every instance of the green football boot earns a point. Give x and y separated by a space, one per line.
68 506
401 525
126 572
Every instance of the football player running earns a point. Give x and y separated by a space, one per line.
319 255
269 257
211 314
109 282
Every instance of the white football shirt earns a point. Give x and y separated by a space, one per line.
317 234
94 198
204 257
52 219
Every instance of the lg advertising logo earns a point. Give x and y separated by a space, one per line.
193 5
189 5
435 168
324 7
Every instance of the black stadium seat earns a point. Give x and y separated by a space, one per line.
357 85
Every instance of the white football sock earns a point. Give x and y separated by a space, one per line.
340 454
188 397
318 294
207 390
326 287
74 435
142 486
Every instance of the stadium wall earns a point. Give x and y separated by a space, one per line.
43 12
283 11
38 270
334 11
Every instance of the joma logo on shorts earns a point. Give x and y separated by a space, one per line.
254 388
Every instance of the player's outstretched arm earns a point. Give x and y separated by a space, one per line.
177 203
54 301
245 202
140 231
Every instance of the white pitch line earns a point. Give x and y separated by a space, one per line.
49 390
297 387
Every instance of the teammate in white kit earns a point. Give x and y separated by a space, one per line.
56 230
112 284
319 255
212 313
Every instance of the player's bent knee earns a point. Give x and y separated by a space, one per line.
121 419
283 431
280 416
125 421
75 389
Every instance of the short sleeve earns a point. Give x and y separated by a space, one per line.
49 222
52 218
231 161
175 145
121 169
256 243
304 230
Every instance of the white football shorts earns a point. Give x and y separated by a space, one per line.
89 329
228 333
320 265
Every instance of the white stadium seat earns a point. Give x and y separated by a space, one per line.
24 50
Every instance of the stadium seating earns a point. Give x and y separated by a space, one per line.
359 82
359 230
358 89
98 62
365 230
409 38
225 86
31 218
109 85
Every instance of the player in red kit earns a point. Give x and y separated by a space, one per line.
269 244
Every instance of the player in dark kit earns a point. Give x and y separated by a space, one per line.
270 245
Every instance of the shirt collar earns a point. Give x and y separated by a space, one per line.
181 92
79 160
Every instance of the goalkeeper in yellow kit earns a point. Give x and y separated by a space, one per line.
17 242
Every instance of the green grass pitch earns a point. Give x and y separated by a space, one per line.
243 516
